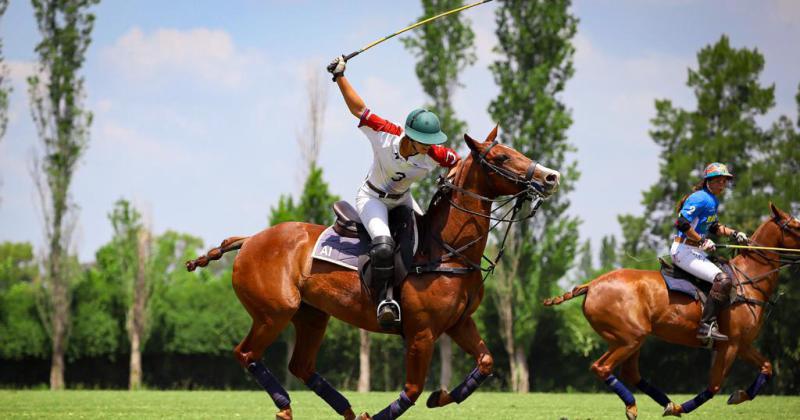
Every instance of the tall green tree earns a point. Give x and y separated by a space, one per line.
5 87
22 333
56 92
443 49
535 45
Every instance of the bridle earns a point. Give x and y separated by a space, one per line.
532 191
783 260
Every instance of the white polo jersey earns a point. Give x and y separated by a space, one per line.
391 172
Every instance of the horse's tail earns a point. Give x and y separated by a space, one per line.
234 242
577 291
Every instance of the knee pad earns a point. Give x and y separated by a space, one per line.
382 251
721 288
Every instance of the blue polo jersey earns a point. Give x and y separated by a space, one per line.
700 209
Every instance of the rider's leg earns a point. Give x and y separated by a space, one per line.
695 262
375 215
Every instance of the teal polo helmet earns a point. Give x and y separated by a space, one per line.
423 126
716 169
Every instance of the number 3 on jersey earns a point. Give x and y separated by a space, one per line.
398 176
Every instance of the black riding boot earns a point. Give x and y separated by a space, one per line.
382 260
719 297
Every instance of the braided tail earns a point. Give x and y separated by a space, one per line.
577 291
234 242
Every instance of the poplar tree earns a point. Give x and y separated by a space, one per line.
56 93
5 87
535 46
443 49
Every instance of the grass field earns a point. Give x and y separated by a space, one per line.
306 405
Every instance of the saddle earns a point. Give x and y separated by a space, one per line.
678 280
346 243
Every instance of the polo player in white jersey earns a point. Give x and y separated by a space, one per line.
401 156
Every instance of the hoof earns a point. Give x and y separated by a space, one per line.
364 416
672 409
349 415
738 397
285 414
632 412
438 398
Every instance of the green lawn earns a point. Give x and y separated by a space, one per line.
306 405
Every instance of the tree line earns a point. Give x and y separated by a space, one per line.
134 317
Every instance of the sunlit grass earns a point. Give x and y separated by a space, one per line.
306 405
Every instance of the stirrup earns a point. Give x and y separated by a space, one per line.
388 314
711 334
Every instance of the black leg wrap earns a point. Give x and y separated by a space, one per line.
321 387
470 384
270 384
395 409
656 394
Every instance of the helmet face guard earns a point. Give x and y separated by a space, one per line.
423 127
716 169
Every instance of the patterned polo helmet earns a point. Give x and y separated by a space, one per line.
716 169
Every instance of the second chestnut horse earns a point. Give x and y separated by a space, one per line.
625 306
278 283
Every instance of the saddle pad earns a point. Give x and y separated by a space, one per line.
680 285
339 250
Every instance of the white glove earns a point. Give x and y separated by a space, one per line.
740 237
708 245
337 66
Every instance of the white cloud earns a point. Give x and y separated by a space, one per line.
205 55
114 139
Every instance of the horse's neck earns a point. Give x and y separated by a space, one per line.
756 266
458 228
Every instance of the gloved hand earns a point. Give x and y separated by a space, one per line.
740 237
708 245
336 67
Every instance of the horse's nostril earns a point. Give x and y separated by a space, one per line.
551 179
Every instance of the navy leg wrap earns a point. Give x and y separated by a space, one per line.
270 384
470 384
321 387
656 394
619 388
697 401
759 383
395 409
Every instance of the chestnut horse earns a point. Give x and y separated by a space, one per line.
277 281
625 306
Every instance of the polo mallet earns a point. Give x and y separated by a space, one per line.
408 28
765 248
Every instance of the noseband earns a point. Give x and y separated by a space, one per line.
527 181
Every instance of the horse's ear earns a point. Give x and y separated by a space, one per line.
471 143
776 211
490 138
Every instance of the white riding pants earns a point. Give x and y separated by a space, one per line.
374 211
694 261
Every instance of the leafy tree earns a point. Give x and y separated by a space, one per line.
22 333
443 50
535 44
56 92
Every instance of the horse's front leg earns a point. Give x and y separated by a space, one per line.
466 335
752 356
419 351
723 360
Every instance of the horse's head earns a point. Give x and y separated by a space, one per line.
509 171
788 232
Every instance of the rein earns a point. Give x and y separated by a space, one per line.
533 191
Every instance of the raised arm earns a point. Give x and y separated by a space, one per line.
354 102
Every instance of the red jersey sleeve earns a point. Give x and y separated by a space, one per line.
444 156
378 124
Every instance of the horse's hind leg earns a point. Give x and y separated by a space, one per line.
466 335
249 353
629 372
310 324
605 365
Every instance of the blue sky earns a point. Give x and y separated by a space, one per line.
198 104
